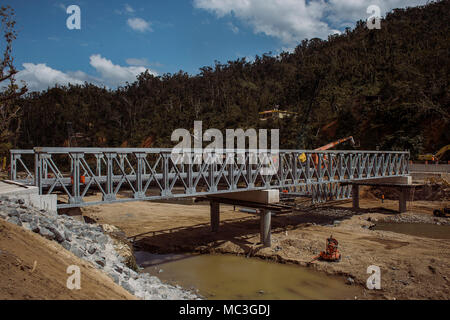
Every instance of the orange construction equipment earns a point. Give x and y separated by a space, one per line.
335 143
82 179
148 142
332 253
329 146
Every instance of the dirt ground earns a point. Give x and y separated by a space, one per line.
411 267
32 267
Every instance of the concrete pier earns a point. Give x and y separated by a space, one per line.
355 196
265 226
402 199
264 212
403 184
215 215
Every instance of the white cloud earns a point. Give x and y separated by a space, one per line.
287 20
114 74
40 76
128 8
139 24
233 28
137 62
61 6
143 62
349 11
294 20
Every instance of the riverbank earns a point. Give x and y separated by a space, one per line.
411 267
47 235
33 267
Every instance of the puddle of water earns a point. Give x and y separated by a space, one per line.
426 230
230 277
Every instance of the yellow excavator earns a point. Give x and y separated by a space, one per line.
435 157
442 212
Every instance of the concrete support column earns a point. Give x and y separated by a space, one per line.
139 170
402 200
265 225
355 196
12 172
109 188
215 215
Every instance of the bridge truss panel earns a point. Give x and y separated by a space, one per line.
80 175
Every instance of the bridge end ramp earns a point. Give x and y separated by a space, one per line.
29 194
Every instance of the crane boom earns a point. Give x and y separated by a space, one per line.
303 158
441 152
335 143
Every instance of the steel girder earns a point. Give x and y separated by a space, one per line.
152 174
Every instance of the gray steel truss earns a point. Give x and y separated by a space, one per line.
121 175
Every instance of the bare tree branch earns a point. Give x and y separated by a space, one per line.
9 111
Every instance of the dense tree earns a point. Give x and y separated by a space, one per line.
388 88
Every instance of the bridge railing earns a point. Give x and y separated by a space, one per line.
81 175
22 162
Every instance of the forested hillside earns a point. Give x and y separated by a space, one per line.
388 88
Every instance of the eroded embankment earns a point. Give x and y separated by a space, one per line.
33 267
88 242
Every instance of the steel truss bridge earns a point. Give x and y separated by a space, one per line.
126 174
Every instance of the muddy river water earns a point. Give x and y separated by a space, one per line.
426 230
234 278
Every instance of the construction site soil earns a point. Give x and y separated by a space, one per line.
412 267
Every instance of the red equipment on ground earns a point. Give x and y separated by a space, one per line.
332 252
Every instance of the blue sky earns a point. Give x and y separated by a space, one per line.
119 39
